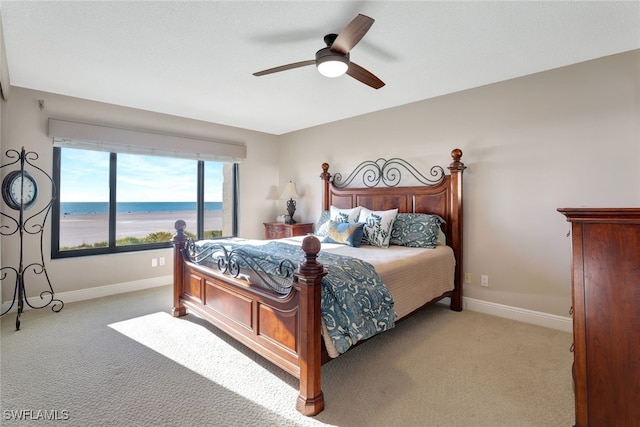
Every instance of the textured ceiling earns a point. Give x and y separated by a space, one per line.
196 59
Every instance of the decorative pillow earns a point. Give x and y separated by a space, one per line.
323 224
344 215
337 215
377 226
416 230
442 238
344 233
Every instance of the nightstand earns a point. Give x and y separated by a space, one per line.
279 230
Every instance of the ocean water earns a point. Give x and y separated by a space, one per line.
76 208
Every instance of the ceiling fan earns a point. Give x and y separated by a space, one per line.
333 60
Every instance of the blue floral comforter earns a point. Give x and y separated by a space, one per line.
355 303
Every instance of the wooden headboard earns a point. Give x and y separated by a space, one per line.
440 195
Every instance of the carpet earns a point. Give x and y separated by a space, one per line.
123 360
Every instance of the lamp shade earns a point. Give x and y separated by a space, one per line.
290 191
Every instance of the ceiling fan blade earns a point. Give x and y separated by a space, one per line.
285 67
364 76
352 34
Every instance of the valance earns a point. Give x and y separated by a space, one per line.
105 138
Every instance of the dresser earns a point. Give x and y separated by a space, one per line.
279 230
606 315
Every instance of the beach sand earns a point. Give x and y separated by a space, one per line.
90 228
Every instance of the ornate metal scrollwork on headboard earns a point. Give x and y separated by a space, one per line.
387 172
239 264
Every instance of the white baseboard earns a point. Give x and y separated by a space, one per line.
500 310
101 291
515 313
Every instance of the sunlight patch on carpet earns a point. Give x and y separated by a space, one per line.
196 348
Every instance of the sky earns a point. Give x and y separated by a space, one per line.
85 178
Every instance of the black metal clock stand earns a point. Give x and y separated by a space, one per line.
16 197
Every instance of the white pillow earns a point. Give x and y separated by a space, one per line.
442 238
377 226
344 215
338 215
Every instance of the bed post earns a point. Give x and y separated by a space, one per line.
179 245
456 168
326 177
309 283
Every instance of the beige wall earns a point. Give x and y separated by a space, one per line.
24 124
563 138
2 138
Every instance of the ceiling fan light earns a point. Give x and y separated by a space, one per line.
331 64
333 68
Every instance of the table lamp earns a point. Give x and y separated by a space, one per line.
291 194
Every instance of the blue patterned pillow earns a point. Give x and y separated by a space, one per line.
344 233
416 230
323 224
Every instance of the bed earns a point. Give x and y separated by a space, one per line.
275 306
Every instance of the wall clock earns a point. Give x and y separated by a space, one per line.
19 190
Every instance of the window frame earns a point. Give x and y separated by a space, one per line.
112 248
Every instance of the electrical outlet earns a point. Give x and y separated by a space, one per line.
154 262
467 278
484 280
161 260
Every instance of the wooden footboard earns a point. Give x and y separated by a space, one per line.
285 329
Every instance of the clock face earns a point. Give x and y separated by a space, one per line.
19 190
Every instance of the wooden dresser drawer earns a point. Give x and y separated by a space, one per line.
278 230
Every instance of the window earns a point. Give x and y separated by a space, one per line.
117 202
